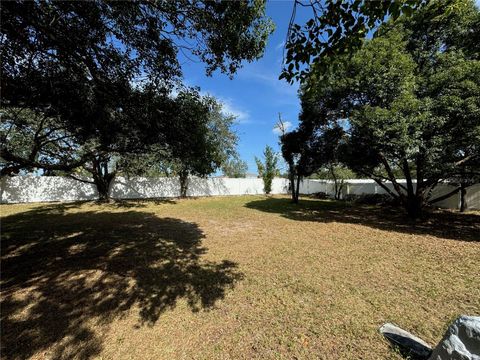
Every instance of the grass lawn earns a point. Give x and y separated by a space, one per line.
229 277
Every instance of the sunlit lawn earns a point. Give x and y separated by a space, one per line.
229 277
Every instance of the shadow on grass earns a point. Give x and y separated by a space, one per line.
439 223
141 203
63 273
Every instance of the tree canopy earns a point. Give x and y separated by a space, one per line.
336 28
31 140
267 169
104 70
198 140
308 149
235 167
408 101
207 140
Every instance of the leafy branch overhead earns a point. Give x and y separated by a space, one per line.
335 28
81 61
408 102
102 74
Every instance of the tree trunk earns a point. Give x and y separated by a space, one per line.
183 175
297 190
291 176
463 193
338 188
414 206
337 183
103 188
102 178
295 187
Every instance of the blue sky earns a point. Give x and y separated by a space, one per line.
255 95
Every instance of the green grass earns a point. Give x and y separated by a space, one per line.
229 277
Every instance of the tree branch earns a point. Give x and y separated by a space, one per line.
81 180
9 156
391 176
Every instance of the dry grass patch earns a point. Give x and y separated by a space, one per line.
231 277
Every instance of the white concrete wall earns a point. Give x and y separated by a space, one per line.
24 189
367 186
472 197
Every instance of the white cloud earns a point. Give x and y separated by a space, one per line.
228 108
286 126
280 46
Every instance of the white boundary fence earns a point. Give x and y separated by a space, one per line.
367 186
26 189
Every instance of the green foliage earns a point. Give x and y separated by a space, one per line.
235 168
152 163
30 140
104 70
267 170
204 141
411 100
310 147
335 28
200 141
338 174
334 172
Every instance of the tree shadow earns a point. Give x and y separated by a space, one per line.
64 273
141 203
440 223
145 188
